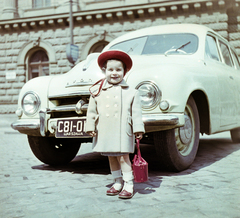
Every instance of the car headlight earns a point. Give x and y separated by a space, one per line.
30 103
150 94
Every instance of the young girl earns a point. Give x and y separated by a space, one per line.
114 117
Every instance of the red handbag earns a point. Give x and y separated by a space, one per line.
139 166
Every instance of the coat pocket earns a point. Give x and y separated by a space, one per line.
129 128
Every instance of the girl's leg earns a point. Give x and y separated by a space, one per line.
114 164
125 163
126 167
117 176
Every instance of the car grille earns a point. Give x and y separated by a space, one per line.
65 105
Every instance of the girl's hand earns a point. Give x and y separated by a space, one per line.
138 135
92 133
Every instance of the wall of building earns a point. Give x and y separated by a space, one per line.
23 35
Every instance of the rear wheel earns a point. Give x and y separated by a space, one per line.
177 148
235 135
54 151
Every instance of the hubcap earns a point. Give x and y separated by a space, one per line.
185 132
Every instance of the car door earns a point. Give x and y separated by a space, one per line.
228 88
237 80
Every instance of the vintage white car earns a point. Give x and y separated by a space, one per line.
189 81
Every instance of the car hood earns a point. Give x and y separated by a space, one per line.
78 79
86 73
153 66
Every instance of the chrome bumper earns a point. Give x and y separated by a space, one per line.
22 125
159 119
152 122
29 127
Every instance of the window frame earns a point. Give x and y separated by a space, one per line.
96 46
235 58
40 64
221 53
217 47
43 4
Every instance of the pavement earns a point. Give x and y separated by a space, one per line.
28 188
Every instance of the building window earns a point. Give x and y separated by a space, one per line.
98 47
41 3
38 64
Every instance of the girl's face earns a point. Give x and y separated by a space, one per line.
114 71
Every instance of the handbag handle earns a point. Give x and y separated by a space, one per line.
138 148
100 88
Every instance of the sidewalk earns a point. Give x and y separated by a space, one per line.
6 121
31 189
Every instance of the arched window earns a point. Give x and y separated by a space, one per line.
98 47
38 64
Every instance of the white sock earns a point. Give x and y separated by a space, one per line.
118 184
117 176
128 181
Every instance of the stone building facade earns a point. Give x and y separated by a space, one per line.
34 33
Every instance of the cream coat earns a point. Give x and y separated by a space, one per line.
115 115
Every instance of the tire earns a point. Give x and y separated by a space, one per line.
53 151
177 148
235 135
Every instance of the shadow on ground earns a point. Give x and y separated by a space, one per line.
209 152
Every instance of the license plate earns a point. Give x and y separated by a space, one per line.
71 128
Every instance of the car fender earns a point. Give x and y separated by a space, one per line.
176 81
39 86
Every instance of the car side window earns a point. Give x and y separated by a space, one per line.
236 59
226 54
211 48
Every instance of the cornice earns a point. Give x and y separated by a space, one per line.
142 11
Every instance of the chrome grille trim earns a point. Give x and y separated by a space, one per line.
66 108
82 93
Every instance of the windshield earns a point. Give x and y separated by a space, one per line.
180 43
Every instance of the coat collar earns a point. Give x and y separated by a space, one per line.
108 85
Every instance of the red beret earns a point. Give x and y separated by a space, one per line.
115 54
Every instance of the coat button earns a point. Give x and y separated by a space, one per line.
115 96
107 105
115 105
107 115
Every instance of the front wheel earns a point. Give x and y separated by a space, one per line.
53 151
177 148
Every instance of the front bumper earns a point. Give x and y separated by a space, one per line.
29 126
153 122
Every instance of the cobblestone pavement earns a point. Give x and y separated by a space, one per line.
28 188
